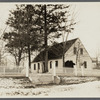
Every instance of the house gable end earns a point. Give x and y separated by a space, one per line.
69 55
77 44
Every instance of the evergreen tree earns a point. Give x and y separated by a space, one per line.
39 23
50 17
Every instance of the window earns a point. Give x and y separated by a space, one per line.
50 64
81 51
85 64
75 50
38 65
44 64
34 66
56 63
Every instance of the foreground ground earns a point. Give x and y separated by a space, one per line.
23 87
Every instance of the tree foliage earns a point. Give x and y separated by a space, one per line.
24 34
34 25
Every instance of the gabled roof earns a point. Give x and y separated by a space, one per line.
55 51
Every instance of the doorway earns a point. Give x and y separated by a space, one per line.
69 63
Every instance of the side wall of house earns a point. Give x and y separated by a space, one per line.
69 55
58 68
35 69
81 58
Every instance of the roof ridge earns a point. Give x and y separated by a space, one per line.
71 40
64 41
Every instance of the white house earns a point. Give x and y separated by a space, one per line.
75 52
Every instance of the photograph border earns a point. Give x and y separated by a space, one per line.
43 1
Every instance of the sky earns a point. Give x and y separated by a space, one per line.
87 28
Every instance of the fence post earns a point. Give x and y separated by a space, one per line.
40 70
75 68
27 71
4 70
54 70
82 70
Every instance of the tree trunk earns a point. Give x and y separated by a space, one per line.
46 43
17 64
16 60
97 62
29 56
63 54
19 57
63 60
64 47
0 57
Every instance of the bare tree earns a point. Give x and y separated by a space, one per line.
68 28
2 47
97 56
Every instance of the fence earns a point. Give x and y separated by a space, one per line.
12 71
93 72
78 72
65 72
47 78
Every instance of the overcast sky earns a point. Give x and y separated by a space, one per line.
87 29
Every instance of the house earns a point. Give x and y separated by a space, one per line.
75 52
96 63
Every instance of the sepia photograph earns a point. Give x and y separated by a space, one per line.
49 49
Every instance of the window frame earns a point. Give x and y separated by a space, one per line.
38 66
56 63
85 64
50 64
81 51
34 66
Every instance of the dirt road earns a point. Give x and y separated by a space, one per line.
90 89
22 88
